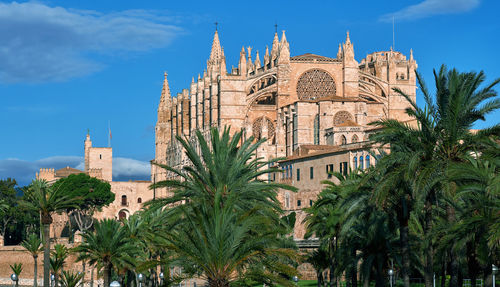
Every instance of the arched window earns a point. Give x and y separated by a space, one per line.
122 215
139 200
355 162
354 139
287 200
316 129
367 159
343 140
361 162
124 200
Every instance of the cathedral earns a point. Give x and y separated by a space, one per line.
305 106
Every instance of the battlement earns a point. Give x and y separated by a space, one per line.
47 174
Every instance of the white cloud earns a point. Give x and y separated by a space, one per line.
130 168
24 171
43 44
428 8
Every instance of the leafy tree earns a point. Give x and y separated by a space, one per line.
33 245
8 201
94 194
106 248
46 200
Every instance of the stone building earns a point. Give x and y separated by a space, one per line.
98 162
312 109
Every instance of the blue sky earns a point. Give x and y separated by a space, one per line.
69 66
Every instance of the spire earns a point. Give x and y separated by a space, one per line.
348 49
284 53
165 92
242 65
339 53
216 52
257 60
283 38
274 48
266 57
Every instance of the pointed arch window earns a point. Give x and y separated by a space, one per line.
361 162
355 162
354 139
367 159
343 140
287 200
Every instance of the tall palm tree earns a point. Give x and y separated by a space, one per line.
442 135
46 200
107 247
33 245
224 166
223 220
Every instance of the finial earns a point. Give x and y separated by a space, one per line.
411 54
348 39
88 131
275 27
165 74
216 24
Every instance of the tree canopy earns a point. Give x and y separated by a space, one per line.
94 193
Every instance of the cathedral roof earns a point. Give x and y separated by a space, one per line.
312 57
66 171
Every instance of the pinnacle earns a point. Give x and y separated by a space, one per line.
216 52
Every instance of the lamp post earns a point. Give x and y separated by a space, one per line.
14 278
391 273
140 277
114 284
161 278
52 279
494 271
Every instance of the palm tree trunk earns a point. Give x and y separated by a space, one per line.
106 274
429 252
35 283
92 276
354 269
450 214
219 282
332 247
405 246
46 255
405 256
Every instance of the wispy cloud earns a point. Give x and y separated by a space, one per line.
429 8
24 171
43 44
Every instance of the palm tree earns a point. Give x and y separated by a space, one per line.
33 245
17 268
59 256
225 166
107 247
226 246
70 279
223 220
319 259
442 135
45 200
